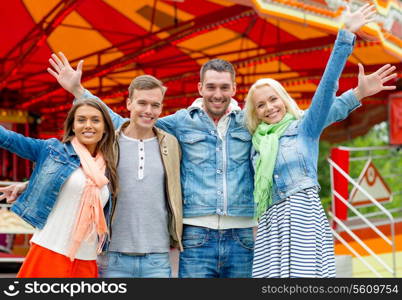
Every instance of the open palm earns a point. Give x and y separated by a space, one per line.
65 75
372 84
355 20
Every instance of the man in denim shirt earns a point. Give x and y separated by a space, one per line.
217 178
217 175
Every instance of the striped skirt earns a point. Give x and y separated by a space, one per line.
294 239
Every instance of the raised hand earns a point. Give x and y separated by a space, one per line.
65 75
11 192
363 15
372 84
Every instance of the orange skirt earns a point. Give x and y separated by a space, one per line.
41 262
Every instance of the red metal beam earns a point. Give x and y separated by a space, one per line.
36 37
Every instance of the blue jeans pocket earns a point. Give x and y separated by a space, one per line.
160 260
194 237
109 261
106 262
244 237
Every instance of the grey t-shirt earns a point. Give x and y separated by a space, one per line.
140 223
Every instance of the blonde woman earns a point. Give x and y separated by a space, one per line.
294 238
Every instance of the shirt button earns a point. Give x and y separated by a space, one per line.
212 132
219 192
219 171
276 176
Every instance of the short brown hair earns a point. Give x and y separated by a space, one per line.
218 65
145 82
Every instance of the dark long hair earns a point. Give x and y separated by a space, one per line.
106 145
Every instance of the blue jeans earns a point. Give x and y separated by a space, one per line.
118 264
210 253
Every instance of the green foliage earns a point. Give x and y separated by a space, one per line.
390 167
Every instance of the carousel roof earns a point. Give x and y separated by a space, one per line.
289 40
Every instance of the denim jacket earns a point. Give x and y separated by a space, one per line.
296 163
54 163
216 175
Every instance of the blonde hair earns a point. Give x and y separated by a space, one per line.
251 120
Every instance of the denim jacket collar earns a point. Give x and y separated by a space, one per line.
70 149
292 129
197 106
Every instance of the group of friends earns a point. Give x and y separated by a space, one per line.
115 195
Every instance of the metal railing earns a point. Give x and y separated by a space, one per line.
364 218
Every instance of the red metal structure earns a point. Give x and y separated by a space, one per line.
119 40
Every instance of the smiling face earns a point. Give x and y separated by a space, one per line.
88 126
269 107
145 106
217 89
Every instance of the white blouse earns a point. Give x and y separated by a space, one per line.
56 234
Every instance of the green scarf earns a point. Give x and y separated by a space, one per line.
266 142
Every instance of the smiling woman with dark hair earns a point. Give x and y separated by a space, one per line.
71 183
